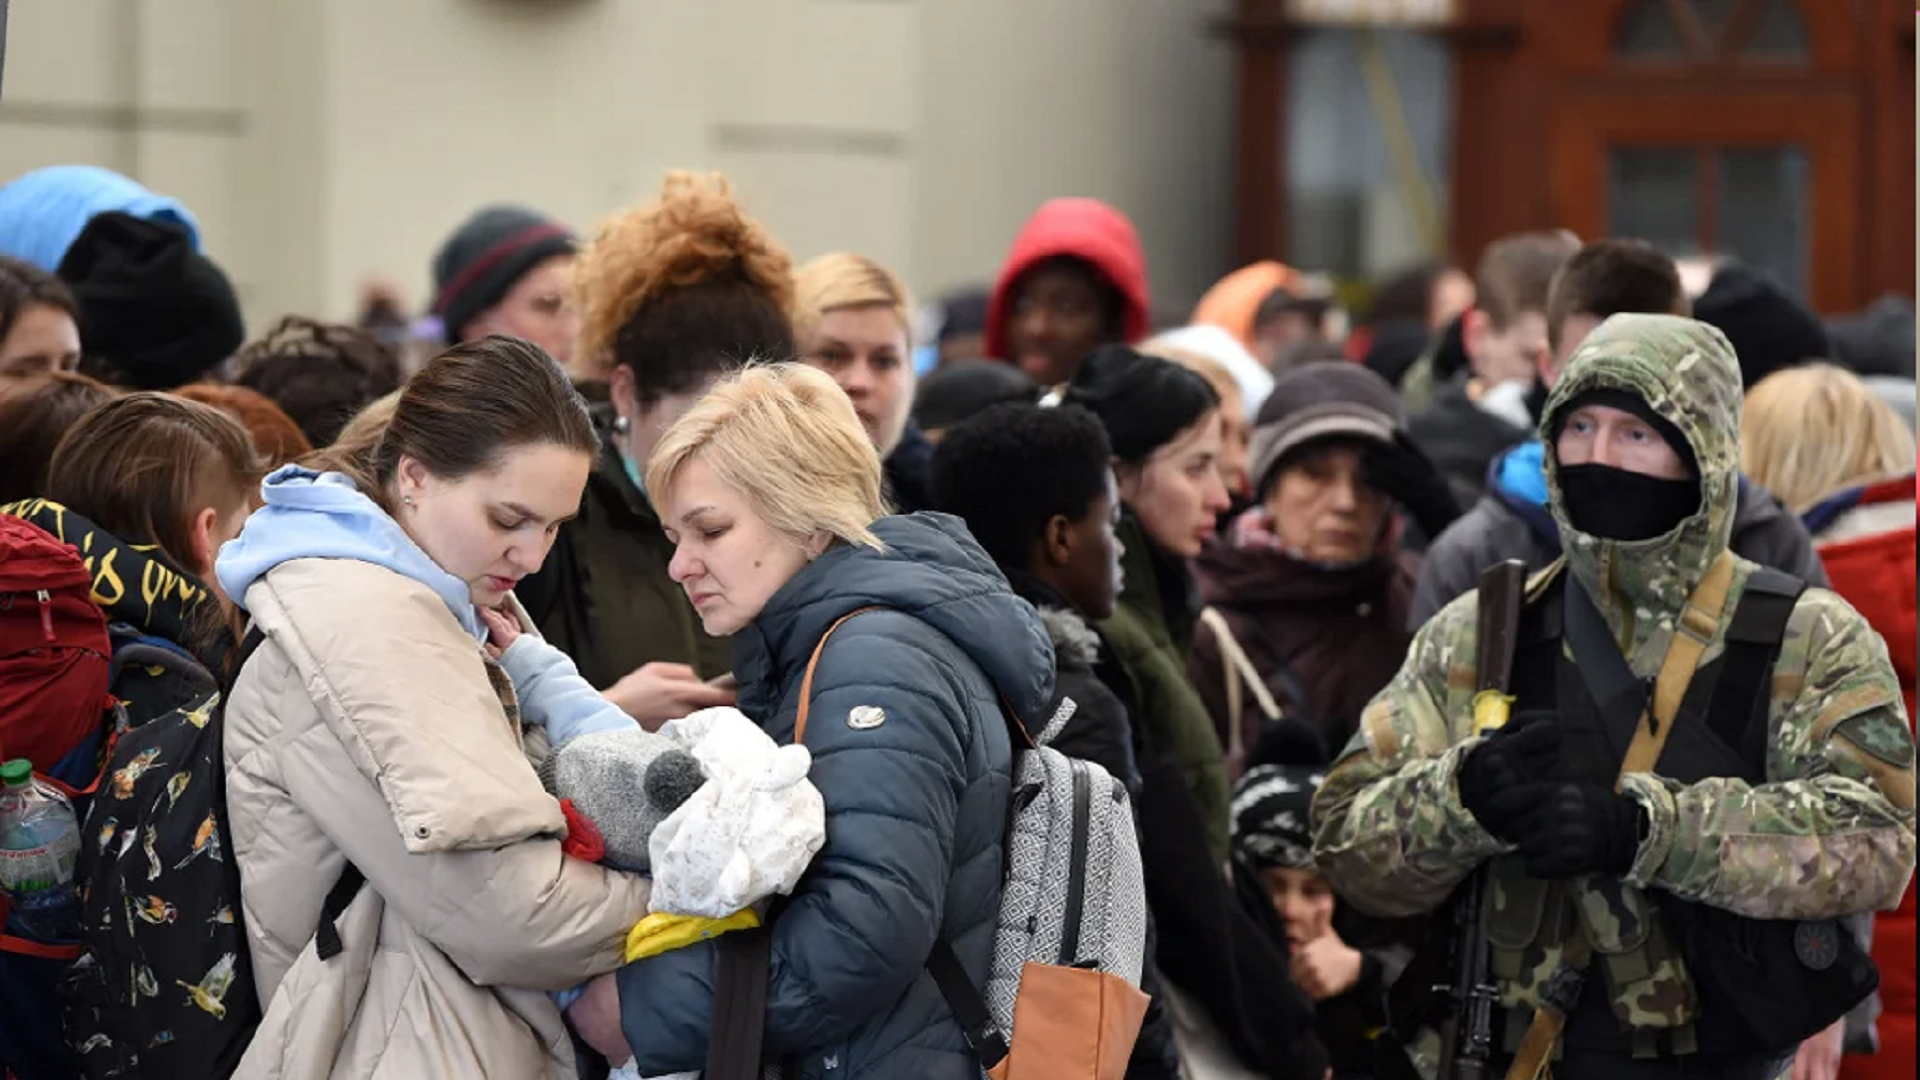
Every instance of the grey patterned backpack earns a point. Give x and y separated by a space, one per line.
1063 997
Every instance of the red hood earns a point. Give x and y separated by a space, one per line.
1086 229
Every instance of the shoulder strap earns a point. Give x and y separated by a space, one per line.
1754 637
1016 727
1692 631
806 681
970 1011
1239 675
739 1027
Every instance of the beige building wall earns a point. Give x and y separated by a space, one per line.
323 141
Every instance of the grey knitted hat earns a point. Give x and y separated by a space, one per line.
626 782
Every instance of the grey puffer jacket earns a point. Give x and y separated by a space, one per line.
916 807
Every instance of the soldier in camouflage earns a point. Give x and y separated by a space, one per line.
1636 881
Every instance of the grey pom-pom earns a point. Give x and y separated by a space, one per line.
672 778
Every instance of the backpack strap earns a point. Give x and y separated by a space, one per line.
1753 641
1016 727
326 937
806 681
970 1010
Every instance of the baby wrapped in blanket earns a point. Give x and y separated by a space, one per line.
722 817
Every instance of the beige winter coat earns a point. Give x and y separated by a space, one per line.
366 728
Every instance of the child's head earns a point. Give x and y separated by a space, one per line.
1505 332
1035 486
1271 837
152 468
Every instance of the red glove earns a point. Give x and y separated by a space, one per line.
583 840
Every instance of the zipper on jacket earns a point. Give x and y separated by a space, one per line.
1077 869
46 612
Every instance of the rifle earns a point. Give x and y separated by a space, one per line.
1466 1037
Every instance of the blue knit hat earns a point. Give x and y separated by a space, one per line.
42 212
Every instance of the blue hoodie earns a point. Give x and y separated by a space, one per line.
310 515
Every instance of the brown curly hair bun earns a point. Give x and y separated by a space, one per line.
684 288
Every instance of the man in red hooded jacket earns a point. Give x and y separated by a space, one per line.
1075 280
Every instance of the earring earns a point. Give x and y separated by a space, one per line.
407 499
622 425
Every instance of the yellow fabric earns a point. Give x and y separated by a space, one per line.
660 933
1490 711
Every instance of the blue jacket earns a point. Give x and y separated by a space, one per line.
916 807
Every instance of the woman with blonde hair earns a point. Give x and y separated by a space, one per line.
1811 431
672 294
1839 455
851 320
770 493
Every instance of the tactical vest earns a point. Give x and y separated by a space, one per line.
1636 971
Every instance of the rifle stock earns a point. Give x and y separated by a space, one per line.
1466 1038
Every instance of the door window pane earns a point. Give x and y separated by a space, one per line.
1367 161
1648 32
1763 209
1713 18
1653 195
1780 35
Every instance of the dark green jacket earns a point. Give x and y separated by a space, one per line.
1150 633
603 596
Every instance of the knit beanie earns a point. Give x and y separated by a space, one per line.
1143 401
153 310
1272 805
43 212
626 782
1768 328
1315 401
486 255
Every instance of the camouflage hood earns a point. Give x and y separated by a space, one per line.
1686 372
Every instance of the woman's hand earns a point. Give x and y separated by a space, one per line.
659 692
596 1019
1326 967
502 631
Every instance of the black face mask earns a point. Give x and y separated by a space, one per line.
1614 504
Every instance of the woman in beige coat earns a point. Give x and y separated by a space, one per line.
371 727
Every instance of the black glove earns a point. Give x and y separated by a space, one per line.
1516 756
1403 472
1564 830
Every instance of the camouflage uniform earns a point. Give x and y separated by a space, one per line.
1832 831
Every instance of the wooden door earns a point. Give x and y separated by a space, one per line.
1719 126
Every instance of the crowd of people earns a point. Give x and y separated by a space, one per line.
1237 557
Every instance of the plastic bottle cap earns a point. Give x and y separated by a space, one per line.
17 773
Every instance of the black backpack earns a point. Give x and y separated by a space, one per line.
164 987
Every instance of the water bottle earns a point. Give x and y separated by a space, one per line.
39 845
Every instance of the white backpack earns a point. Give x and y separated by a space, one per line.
1072 930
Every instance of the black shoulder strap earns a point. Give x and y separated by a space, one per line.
1618 694
327 935
1746 667
738 1034
989 1043
1726 694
